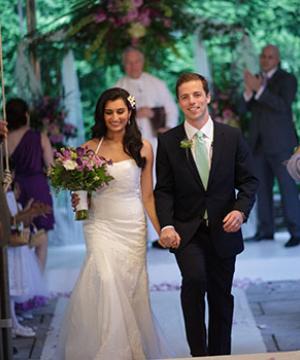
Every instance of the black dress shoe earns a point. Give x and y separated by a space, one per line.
294 241
259 237
156 245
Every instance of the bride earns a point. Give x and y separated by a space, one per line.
109 315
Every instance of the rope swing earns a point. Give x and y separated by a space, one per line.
7 176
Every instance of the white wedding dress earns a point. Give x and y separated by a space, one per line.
109 316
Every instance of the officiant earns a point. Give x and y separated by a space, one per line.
156 109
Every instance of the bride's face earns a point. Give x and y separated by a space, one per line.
116 115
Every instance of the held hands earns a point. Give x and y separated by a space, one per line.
252 83
75 200
169 238
233 221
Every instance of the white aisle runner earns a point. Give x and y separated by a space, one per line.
164 279
246 337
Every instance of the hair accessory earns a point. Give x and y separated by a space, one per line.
131 100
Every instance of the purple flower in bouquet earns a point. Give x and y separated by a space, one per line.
80 152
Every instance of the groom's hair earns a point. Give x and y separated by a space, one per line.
189 76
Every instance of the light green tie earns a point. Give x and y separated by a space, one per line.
201 157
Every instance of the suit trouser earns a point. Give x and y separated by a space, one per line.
203 271
269 166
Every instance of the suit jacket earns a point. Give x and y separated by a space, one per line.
181 199
272 126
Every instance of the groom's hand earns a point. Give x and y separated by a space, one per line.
169 238
233 221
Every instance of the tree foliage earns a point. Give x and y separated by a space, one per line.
222 26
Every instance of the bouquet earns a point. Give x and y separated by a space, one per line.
80 170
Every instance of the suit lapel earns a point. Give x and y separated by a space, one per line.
217 148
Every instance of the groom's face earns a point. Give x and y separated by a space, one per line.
193 101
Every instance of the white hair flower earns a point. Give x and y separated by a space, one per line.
131 100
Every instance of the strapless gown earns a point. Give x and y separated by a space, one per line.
109 316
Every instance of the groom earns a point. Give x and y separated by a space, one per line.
200 165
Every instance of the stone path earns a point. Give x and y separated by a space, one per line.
276 309
275 306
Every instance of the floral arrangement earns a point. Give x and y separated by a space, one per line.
223 110
48 115
107 27
79 169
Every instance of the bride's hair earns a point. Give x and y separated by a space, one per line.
132 141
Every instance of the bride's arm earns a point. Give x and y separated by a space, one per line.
147 185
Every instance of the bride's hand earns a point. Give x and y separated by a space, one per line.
74 200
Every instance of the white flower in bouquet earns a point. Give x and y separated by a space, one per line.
70 165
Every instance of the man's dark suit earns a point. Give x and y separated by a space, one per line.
272 138
206 255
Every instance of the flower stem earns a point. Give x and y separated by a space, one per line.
81 215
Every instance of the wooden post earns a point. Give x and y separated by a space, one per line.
31 27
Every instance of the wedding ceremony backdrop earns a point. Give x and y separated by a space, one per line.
60 55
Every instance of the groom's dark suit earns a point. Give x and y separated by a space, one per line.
206 256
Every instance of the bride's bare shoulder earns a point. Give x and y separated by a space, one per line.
146 149
91 144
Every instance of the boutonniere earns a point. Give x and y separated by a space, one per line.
186 144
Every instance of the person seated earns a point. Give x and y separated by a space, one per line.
25 276
31 153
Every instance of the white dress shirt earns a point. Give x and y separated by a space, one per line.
208 132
